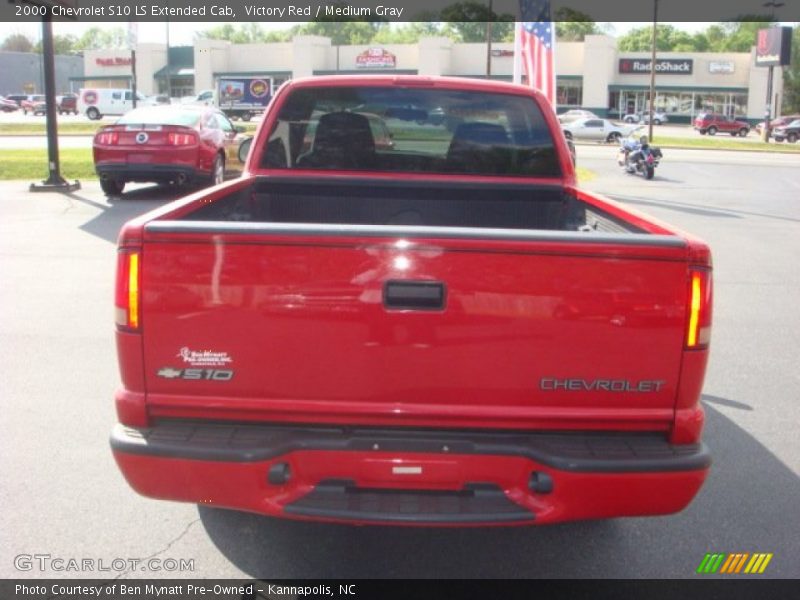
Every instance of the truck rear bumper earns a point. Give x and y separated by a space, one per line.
411 477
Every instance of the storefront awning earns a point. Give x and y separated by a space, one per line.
174 71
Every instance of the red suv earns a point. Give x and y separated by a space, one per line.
68 103
711 123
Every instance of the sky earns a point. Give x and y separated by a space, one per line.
182 33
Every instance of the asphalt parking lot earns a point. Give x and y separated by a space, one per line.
64 496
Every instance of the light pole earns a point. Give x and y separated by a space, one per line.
772 4
653 73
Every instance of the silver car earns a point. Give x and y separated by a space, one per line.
597 129
658 118
574 114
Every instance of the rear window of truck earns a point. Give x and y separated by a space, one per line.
395 129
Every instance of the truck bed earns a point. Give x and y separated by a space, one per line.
543 207
513 313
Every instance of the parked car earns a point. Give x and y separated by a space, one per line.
168 144
711 123
790 132
644 117
777 122
7 105
575 113
18 98
202 98
428 336
33 104
68 103
157 100
596 129
97 102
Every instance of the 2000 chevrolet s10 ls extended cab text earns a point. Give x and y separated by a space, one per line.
444 330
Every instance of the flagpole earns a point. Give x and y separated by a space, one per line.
517 73
553 70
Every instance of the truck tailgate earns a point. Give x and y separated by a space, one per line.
408 327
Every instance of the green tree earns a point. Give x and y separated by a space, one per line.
791 78
573 25
466 22
668 38
246 33
342 32
62 44
409 33
95 38
737 36
17 42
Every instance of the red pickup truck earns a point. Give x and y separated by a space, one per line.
441 331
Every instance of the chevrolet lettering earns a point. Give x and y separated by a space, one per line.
550 384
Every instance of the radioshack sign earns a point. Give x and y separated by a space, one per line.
664 66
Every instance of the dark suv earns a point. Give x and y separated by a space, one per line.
711 123
789 132
777 122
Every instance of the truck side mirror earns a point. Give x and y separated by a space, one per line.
244 149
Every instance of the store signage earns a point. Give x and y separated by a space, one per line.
376 58
721 66
502 53
774 46
664 66
117 61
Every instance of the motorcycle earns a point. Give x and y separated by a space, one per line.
638 156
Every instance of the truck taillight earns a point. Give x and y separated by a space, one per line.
181 139
698 327
126 302
108 138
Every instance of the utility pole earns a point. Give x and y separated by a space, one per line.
169 75
55 182
133 78
489 24
653 72
132 41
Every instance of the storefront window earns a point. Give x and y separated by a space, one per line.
614 104
278 82
569 93
677 102
739 104
734 105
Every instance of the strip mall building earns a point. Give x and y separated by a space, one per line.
592 74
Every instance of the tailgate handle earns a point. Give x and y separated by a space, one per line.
414 295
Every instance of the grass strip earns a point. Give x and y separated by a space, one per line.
76 163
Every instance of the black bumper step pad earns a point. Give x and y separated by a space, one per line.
476 503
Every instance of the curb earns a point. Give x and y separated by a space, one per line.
672 147
45 135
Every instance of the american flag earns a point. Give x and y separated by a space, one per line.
537 35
